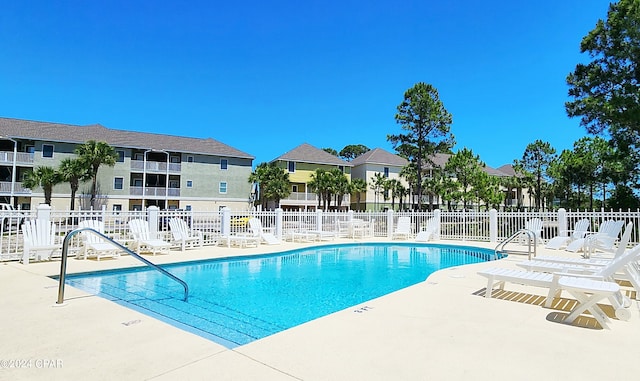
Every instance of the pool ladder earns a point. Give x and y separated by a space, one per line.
531 238
65 251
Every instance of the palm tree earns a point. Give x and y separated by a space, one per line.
273 183
339 185
260 176
73 171
358 186
93 154
377 186
320 183
45 177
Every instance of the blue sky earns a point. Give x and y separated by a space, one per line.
267 76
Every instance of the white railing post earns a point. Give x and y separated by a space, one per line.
104 213
225 225
389 223
43 212
279 222
493 225
437 214
350 215
152 220
562 223
319 220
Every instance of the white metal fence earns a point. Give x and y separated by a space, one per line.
489 226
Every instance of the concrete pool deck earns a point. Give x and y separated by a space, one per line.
442 328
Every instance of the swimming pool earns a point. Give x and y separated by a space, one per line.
234 301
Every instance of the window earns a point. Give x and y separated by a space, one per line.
118 183
223 187
137 182
187 208
224 163
175 159
341 168
386 172
294 188
117 207
120 156
138 156
292 166
189 159
189 183
47 150
31 150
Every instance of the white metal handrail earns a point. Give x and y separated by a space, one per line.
65 249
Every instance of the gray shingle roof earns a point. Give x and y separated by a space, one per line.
379 156
306 153
58 132
507 169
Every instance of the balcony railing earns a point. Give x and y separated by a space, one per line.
5 188
154 191
311 197
22 158
155 166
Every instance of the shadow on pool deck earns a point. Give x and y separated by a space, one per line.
442 328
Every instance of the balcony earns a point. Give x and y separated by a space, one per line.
19 190
22 158
154 192
309 198
155 167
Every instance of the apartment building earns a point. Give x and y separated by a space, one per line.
171 172
388 165
367 166
302 162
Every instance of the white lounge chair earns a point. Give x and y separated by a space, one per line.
356 228
533 225
630 272
243 239
255 225
184 236
579 231
587 289
143 240
93 244
603 239
429 231
39 238
403 228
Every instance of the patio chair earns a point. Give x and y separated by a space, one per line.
604 239
630 272
533 225
588 289
183 236
143 241
243 239
93 244
255 225
39 238
579 231
429 231
403 229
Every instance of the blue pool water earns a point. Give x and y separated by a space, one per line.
235 301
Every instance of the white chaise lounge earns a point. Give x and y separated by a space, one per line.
579 231
184 236
93 244
587 289
144 241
